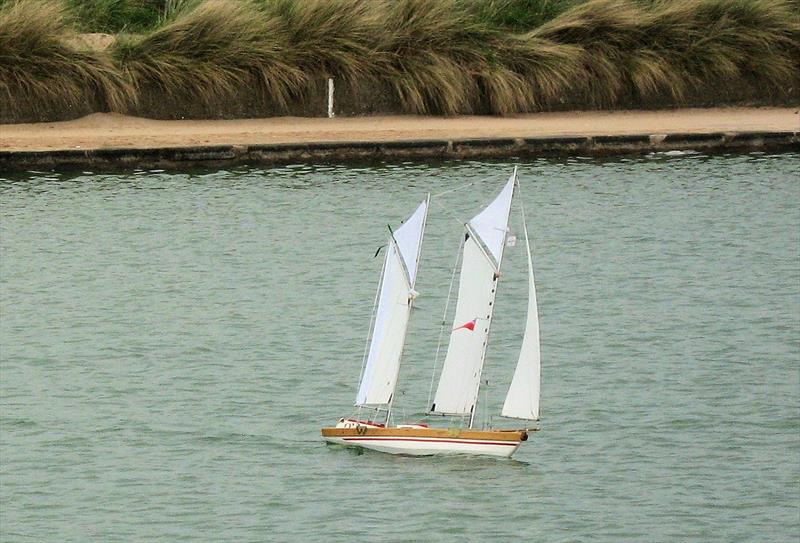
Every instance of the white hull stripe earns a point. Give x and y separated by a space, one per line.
434 440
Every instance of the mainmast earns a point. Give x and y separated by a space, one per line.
484 241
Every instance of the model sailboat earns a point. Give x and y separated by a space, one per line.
457 393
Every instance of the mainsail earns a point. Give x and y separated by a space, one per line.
485 238
522 401
396 292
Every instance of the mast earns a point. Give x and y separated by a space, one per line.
474 409
396 292
412 296
484 240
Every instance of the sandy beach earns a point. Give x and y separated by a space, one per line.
114 131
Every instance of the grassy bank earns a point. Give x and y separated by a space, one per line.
235 57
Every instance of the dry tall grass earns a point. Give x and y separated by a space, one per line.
671 47
328 38
430 56
430 53
723 41
42 69
442 58
210 53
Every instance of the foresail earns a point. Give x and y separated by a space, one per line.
522 401
457 392
379 376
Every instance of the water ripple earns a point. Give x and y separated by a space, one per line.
172 343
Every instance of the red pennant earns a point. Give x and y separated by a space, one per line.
469 326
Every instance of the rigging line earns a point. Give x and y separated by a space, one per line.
522 211
465 185
444 320
489 180
434 197
451 212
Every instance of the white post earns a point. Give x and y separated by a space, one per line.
330 98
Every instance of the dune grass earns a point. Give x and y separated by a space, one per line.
111 16
427 56
671 47
332 38
754 41
44 69
516 15
211 52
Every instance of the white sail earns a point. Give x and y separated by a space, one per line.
379 377
457 392
522 401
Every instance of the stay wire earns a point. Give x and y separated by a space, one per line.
444 321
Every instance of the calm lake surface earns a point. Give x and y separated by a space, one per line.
172 344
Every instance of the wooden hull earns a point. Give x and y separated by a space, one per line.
428 441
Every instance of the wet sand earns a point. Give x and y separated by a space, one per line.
114 131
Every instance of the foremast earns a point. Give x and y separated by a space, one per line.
392 312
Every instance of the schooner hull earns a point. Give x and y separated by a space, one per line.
428 441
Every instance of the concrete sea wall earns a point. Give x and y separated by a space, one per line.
268 154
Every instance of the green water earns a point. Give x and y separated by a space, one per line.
172 344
